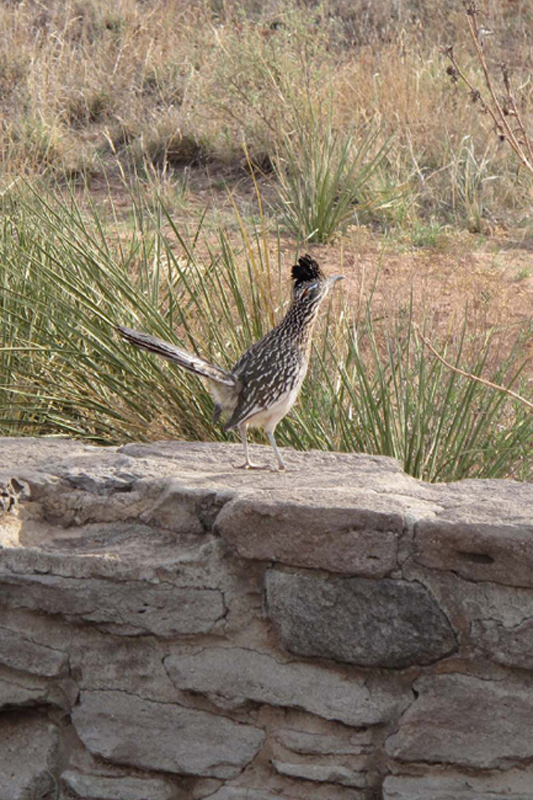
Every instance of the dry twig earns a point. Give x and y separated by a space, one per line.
502 113
496 386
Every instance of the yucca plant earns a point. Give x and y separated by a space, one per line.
407 404
66 278
321 175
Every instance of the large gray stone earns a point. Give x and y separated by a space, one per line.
125 729
19 453
129 663
128 787
185 510
243 674
214 463
478 548
128 607
322 773
458 719
367 622
28 750
245 793
351 743
512 647
340 538
112 488
20 689
439 785
20 652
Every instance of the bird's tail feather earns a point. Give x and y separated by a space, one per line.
178 356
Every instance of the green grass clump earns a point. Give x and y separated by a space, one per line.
67 278
387 395
322 177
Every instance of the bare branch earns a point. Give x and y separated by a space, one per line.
496 386
502 113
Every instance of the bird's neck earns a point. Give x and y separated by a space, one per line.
299 322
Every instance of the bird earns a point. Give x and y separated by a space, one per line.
264 384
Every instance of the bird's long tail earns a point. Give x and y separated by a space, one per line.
178 356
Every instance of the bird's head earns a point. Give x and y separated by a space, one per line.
310 285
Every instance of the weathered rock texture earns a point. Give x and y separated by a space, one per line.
175 629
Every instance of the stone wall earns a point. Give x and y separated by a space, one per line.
173 628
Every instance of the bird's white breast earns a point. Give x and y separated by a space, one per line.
268 418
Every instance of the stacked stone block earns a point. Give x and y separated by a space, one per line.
173 629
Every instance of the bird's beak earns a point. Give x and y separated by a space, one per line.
334 278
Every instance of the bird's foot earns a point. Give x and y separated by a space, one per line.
249 465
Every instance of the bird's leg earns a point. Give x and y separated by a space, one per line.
281 464
247 463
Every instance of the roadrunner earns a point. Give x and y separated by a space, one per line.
263 386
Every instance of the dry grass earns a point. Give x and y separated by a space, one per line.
92 88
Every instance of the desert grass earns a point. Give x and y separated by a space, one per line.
92 87
67 280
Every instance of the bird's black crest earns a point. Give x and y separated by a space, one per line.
306 270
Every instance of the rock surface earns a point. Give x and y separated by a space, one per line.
308 534
100 787
236 793
324 744
454 786
243 674
124 729
175 629
28 749
458 719
487 539
372 623
321 773
20 652
130 608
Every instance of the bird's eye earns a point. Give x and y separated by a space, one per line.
308 289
